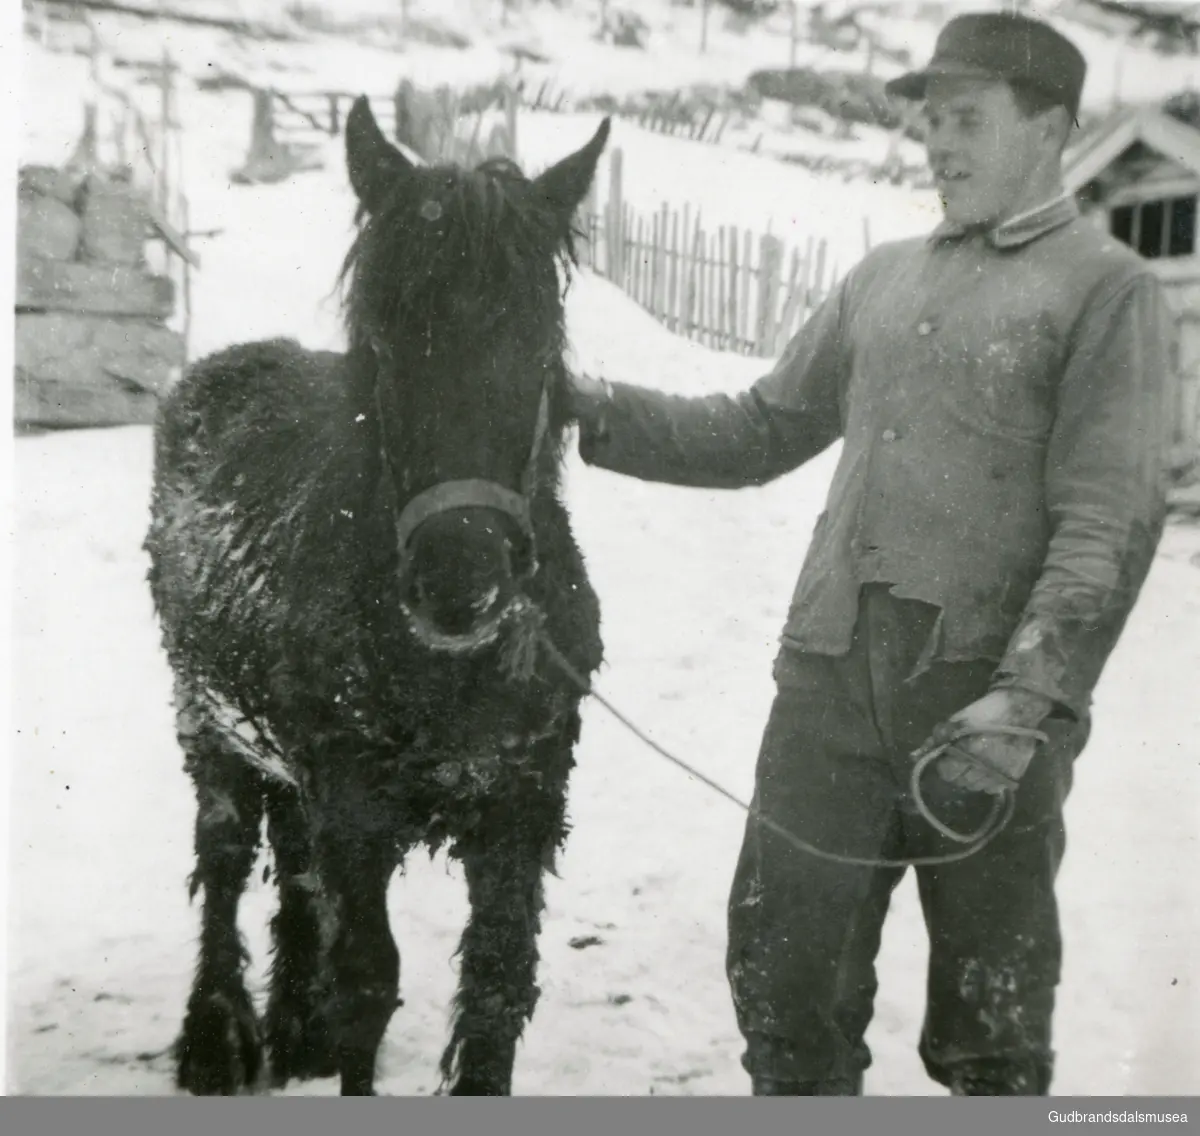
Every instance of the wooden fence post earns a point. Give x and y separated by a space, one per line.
86 153
770 258
512 100
819 279
613 231
586 222
793 301
268 160
167 109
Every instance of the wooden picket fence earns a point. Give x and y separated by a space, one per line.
721 286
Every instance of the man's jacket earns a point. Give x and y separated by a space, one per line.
1002 398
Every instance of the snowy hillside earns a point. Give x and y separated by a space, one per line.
694 588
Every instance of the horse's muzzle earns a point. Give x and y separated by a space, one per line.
460 628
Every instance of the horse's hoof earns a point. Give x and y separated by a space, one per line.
219 1052
468 1087
301 1051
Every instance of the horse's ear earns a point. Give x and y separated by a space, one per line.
372 162
566 184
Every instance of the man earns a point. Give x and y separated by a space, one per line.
999 390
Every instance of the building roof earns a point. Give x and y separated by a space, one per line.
1105 144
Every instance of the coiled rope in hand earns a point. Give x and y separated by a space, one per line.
1001 812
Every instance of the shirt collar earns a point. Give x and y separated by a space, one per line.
1018 230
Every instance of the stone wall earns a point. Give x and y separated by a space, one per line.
92 345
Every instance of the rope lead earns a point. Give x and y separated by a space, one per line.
999 818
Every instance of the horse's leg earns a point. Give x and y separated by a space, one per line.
219 1050
498 989
296 1030
356 858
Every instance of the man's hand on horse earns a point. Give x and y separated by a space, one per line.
981 756
587 396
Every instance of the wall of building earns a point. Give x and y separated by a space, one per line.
92 341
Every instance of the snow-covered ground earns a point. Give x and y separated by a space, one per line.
694 587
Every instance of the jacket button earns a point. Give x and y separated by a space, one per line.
889 435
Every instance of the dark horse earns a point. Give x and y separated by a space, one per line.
353 558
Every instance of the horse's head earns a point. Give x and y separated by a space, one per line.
455 306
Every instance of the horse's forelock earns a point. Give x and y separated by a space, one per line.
481 234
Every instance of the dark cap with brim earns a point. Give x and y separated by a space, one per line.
1000 46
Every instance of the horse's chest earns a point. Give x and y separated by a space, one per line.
488 760
430 771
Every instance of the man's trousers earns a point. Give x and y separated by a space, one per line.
804 932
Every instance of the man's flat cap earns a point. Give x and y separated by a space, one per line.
1000 45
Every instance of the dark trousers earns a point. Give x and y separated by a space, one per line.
804 932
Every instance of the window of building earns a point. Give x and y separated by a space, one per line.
1157 228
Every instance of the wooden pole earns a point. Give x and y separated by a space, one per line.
731 298
512 100
819 277
86 153
744 307
664 271
164 179
673 284
720 293
616 212
770 258
185 220
686 282
695 291
655 234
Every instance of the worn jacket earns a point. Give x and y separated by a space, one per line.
1001 397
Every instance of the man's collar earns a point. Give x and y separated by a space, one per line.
1018 230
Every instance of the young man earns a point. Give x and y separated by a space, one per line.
999 390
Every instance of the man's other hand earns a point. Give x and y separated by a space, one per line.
990 762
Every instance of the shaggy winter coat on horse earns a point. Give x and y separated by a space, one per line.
354 560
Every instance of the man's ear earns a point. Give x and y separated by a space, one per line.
1058 126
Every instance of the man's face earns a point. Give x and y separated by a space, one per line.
985 156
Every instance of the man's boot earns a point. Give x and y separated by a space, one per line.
834 1087
1001 1078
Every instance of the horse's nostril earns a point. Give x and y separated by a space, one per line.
415 593
459 609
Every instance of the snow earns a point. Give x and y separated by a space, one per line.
694 587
